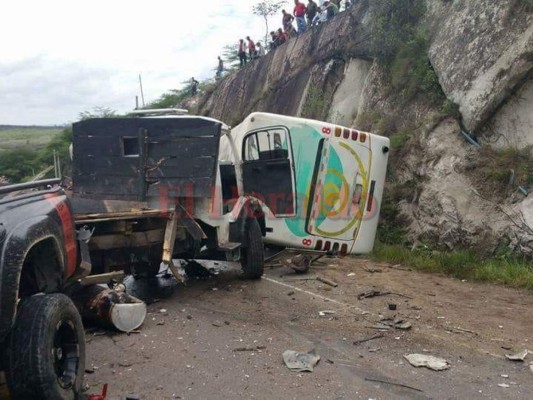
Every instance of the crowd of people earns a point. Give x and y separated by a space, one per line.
304 16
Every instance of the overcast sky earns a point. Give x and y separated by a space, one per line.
59 58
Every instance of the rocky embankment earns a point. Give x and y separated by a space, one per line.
481 53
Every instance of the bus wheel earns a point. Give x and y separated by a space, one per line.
253 255
46 349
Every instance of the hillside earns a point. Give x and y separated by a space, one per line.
450 82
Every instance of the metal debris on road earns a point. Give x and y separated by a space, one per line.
521 356
110 308
372 270
254 348
392 383
327 281
359 341
397 323
325 313
375 293
300 362
424 360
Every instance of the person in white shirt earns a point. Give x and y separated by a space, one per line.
321 16
260 50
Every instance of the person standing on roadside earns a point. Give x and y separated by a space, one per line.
312 9
299 13
220 68
286 20
260 50
331 9
242 53
251 48
194 86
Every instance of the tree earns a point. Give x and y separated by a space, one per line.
230 57
265 9
98 112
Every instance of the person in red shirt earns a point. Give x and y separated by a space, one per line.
282 38
242 53
251 48
299 13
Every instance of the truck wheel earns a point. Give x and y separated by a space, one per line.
253 256
45 358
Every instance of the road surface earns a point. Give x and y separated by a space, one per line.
223 337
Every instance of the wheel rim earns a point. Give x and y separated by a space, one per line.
66 354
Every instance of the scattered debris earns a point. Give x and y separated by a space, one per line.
325 313
424 360
458 328
163 311
110 308
300 362
503 385
531 368
397 323
99 396
125 364
372 270
326 281
359 341
393 383
392 306
375 293
290 293
247 348
379 326
351 274
504 376
521 356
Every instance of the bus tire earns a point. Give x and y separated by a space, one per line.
45 358
253 255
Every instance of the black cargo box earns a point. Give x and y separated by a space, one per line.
135 158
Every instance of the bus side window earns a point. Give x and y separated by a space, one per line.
251 148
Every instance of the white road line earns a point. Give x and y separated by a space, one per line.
340 303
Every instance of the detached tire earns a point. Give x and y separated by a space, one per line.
253 255
45 358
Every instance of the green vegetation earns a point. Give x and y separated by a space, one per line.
399 140
314 103
20 164
499 171
401 46
463 264
27 138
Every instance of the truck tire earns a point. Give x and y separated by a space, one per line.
45 358
253 255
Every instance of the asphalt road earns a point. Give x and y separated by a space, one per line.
223 337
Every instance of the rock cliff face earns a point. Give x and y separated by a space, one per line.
481 52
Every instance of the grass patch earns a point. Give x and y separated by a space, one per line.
399 140
499 171
27 138
462 264
314 103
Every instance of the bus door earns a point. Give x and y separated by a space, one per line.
267 168
340 189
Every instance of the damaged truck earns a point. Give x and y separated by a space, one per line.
144 192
